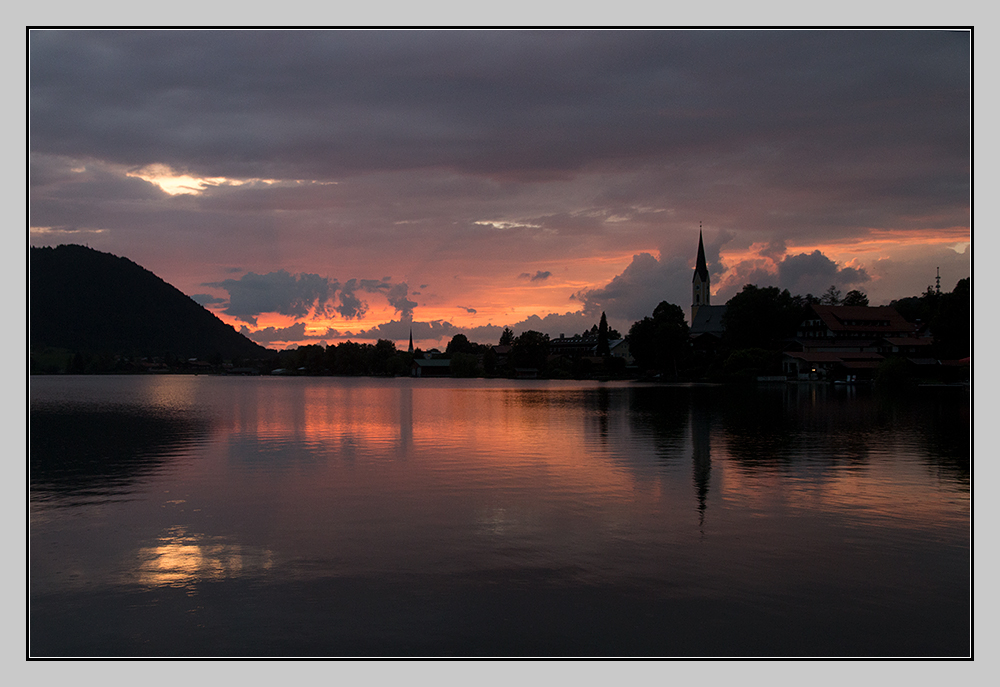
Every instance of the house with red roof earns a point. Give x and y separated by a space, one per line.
850 342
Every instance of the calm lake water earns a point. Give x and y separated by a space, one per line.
218 516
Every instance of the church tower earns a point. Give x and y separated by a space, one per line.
699 283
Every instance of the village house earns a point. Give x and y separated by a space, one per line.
425 367
585 346
850 342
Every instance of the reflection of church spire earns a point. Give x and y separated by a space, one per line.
702 457
410 350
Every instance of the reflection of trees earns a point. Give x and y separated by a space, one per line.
80 454
661 412
777 426
603 403
781 425
757 428
940 423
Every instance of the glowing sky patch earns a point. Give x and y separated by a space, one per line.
60 231
184 184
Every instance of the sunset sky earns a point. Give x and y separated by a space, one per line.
319 186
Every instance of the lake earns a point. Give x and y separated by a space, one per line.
245 517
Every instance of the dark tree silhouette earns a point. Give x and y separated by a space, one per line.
761 317
530 349
855 297
660 342
603 349
952 324
507 338
460 344
831 296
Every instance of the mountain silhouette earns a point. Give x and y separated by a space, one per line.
86 301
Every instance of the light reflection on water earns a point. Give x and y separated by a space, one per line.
493 517
182 559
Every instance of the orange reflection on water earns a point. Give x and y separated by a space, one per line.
181 559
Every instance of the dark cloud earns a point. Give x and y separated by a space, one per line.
814 273
396 296
775 250
206 299
537 276
277 292
529 105
299 295
351 307
801 274
637 291
713 248
399 330
647 281
295 332
471 311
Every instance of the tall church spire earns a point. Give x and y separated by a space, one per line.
701 269
411 341
699 282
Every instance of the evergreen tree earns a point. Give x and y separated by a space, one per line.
603 349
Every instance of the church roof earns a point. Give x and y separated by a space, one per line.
701 268
708 320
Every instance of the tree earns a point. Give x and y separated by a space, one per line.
831 296
952 324
855 297
660 342
383 351
459 344
464 365
507 338
761 317
603 349
530 349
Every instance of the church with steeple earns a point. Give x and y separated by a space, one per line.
706 319
699 283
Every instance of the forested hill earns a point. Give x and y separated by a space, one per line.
90 302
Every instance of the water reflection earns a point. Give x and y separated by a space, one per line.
613 516
183 559
701 423
81 453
